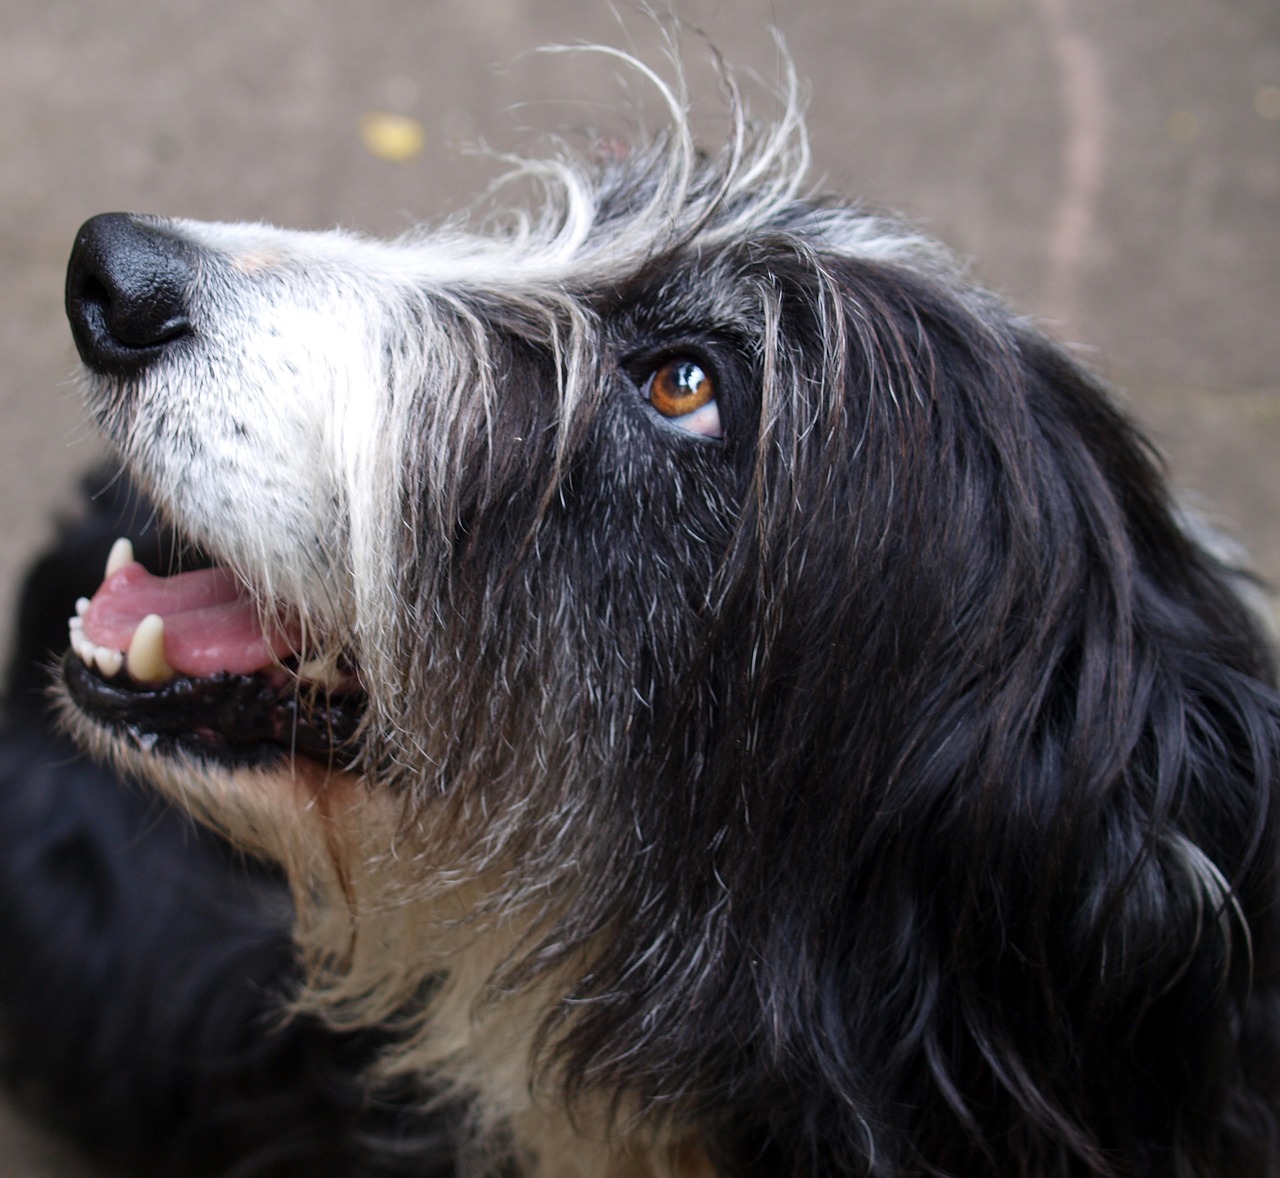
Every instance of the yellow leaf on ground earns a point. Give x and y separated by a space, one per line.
392 137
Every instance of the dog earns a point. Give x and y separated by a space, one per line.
728 696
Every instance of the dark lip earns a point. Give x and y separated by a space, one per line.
234 719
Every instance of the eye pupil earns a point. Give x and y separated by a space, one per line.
680 386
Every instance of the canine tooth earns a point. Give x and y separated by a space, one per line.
75 624
121 554
145 660
82 606
108 661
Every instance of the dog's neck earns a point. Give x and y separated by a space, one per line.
489 1052
553 1145
483 1049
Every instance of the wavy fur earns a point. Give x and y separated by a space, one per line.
885 789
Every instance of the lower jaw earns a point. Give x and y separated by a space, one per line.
235 720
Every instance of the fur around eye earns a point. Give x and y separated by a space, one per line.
683 391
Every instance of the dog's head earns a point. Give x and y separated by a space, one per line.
796 648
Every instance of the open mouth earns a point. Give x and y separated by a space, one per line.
191 661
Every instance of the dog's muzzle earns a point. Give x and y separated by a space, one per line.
127 289
190 660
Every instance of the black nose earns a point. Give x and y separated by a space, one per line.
127 287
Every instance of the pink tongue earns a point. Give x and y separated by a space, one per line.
210 624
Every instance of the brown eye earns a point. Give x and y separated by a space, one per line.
680 386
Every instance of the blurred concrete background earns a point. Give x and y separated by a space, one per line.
1111 168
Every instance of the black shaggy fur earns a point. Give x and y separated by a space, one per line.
147 966
961 857
888 788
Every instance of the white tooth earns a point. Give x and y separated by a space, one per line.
82 606
121 554
75 624
145 660
321 672
109 661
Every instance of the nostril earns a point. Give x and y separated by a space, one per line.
136 318
128 285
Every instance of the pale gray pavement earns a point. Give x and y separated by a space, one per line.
1111 167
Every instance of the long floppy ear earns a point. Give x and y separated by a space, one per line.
976 872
